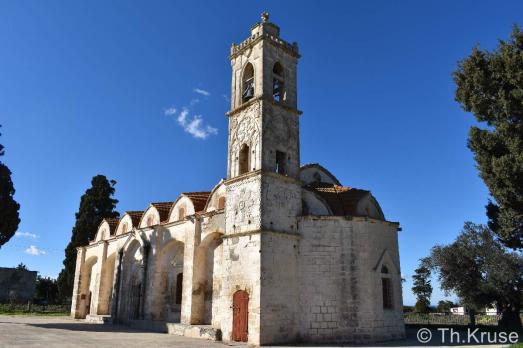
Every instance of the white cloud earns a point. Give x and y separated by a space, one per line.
194 126
197 129
194 101
26 234
182 117
170 111
202 92
226 98
33 250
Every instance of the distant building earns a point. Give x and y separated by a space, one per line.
17 284
458 310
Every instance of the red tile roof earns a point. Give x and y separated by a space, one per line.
341 199
199 199
113 223
163 209
136 216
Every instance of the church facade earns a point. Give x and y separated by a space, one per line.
276 252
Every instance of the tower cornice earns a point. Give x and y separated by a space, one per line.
263 99
250 42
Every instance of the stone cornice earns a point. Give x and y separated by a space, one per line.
263 99
250 42
261 172
250 233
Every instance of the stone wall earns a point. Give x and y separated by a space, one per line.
17 285
340 290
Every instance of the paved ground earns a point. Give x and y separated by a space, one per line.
61 332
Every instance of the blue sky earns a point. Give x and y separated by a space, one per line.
89 88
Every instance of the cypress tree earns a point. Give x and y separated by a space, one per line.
96 204
9 218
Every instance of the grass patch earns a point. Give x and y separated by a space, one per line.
42 314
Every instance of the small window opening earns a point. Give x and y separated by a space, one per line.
179 283
221 203
150 221
281 167
387 293
384 269
248 83
124 227
304 208
181 214
244 159
278 91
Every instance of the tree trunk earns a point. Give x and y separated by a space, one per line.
472 317
510 318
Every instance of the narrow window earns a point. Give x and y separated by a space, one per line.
244 159
150 221
221 203
387 293
181 214
281 167
124 227
179 283
278 90
304 208
248 83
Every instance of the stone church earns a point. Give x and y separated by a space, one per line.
276 252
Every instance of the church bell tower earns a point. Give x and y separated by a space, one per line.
263 187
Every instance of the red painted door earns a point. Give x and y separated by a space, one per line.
240 316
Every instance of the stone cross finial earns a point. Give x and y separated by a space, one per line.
265 17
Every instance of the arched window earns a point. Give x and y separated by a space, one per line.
248 83
181 214
278 85
124 227
244 159
221 203
150 220
179 287
386 288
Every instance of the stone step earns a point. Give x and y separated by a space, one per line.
195 331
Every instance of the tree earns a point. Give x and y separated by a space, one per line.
480 270
96 204
490 85
21 266
422 287
9 218
444 306
46 289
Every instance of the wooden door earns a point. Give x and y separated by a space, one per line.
240 316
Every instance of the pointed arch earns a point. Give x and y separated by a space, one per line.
247 83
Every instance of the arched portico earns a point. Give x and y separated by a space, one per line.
131 283
88 285
106 285
207 267
168 280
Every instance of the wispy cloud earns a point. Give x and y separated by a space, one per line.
170 111
226 98
195 126
198 130
26 234
194 101
35 251
202 92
